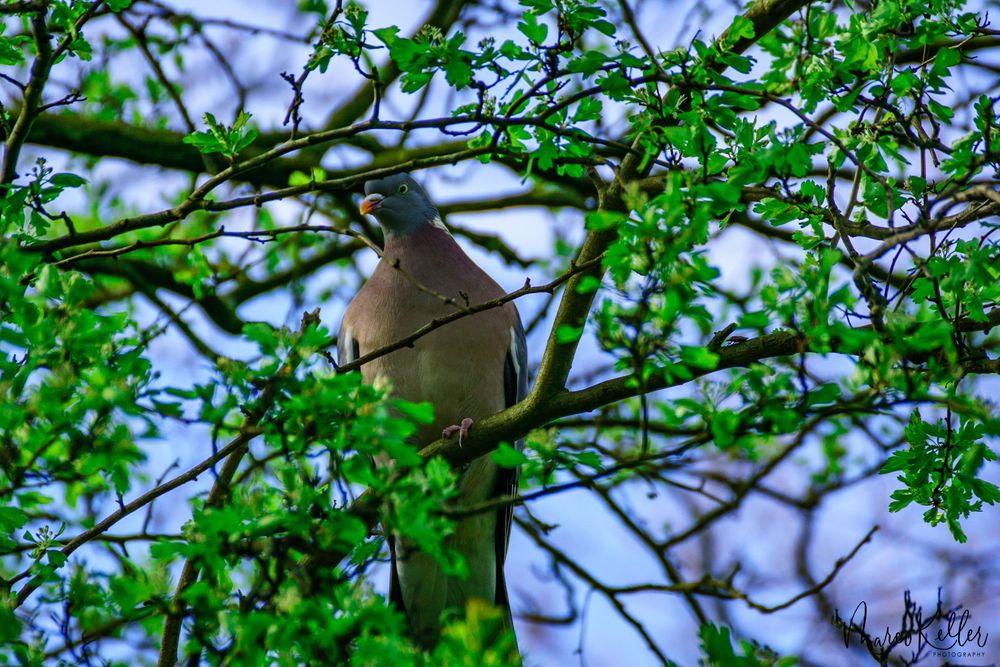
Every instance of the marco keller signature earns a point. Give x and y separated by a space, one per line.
944 633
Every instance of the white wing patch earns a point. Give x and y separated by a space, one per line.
439 223
345 346
515 357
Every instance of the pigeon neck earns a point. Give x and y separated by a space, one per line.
398 233
425 237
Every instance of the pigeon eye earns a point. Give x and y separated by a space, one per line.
403 189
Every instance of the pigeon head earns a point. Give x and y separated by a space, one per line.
400 205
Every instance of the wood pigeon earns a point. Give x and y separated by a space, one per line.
469 369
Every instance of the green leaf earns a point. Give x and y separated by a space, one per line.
900 499
605 27
904 82
168 550
943 112
506 456
530 27
986 491
741 28
10 51
568 334
754 320
387 35
899 460
603 219
956 530
11 518
700 357
945 59
588 285
422 413
66 180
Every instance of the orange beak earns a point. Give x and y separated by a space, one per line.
371 203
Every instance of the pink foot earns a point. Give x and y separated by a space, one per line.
462 430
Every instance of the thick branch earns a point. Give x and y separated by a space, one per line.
150 146
32 99
517 421
575 305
